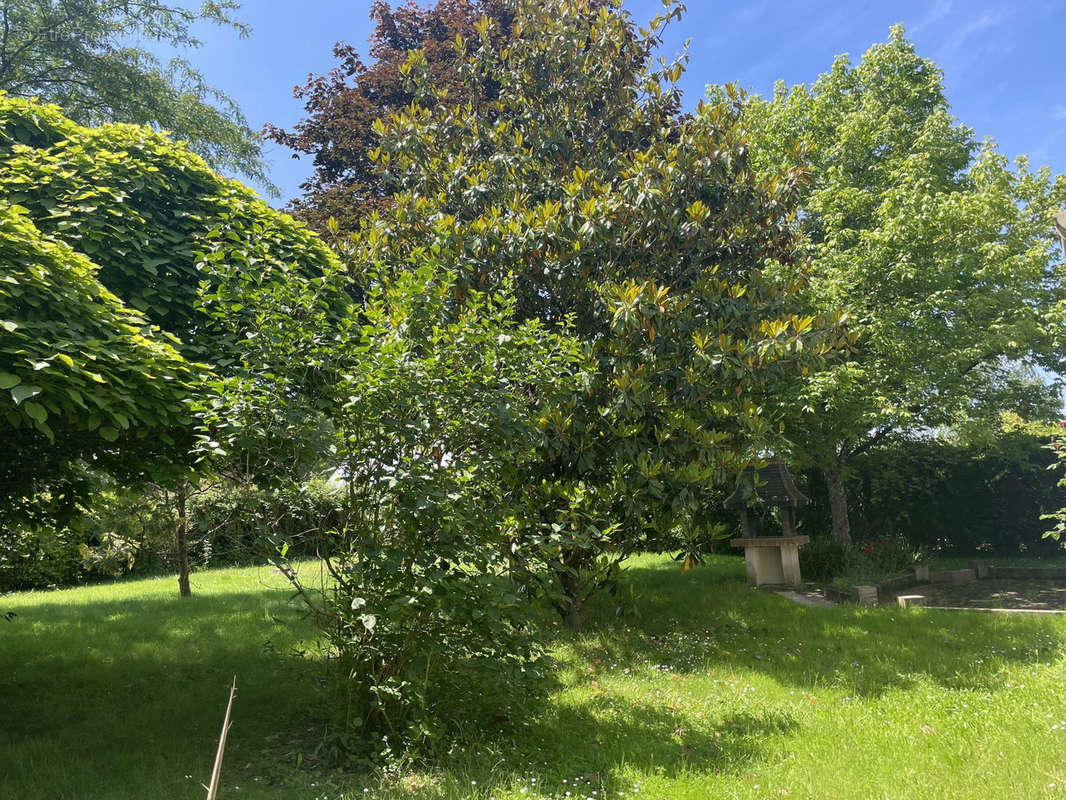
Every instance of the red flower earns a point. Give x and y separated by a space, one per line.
868 550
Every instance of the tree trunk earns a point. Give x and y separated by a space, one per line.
838 502
183 548
570 580
574 619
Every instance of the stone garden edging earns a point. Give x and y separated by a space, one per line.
874 594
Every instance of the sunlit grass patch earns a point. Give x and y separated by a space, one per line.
705 688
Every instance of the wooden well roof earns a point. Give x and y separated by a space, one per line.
774 487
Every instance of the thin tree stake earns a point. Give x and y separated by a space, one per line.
212 790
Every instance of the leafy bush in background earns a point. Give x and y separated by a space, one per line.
122 533
890 555
826 557
40 557
231 522
133 533
129 533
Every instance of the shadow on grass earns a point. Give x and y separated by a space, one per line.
582 751
124 697
711 617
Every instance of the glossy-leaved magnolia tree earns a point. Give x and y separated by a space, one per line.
570 175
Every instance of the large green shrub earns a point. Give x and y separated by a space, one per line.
432 413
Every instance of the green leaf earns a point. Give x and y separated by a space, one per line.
35 411
108 433
24 391
7 380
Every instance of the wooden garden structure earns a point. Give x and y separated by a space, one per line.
770 560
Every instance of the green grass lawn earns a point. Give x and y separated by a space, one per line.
710 690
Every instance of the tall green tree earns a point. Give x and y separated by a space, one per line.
81 55
111 235
570 174
939 250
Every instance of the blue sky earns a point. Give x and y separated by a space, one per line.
1004 63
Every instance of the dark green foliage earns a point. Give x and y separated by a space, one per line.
122 533
950 498
40 557
128 533
231 523
890 555
826 557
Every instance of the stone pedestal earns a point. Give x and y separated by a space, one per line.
865 595
772 560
